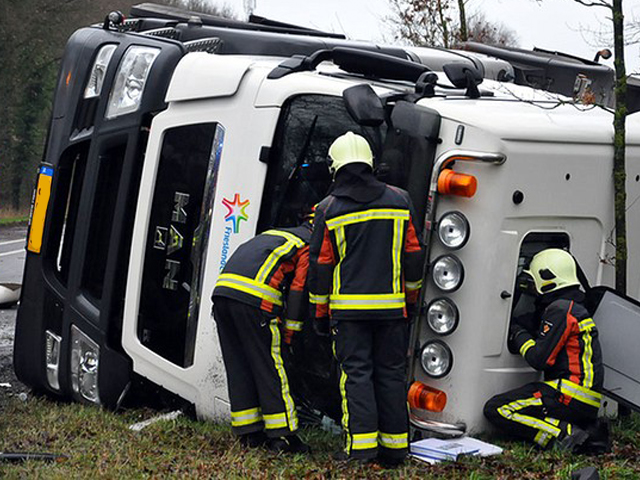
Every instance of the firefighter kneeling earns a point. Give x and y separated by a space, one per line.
561 411
248 302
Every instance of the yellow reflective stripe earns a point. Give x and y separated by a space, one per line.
289 236
587 364
273 258
250 286
345 405
366 215
381 301
342 251
294 325
284 383
586 325
552 421
542 438
526 346
275 420
577 392
246 417
509 411
364 441
394 440
398 225
318 299
413 285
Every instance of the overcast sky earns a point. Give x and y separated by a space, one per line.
560 25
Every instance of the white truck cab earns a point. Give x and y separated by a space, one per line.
152 190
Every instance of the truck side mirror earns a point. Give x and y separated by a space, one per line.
464 76
364 106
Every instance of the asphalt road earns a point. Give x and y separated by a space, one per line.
12 255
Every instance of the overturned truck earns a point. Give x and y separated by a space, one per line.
175 138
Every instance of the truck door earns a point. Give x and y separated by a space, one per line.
617 319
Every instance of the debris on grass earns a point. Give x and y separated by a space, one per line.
136 427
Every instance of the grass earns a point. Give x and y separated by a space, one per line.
100 445
13 217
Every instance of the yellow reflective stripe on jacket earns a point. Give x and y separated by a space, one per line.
382 301
275 420
341 242
577 392
394 440
294 325
246 417
250 286
526 346
318 299
587 366
291 242
586 325
542 438
413 285
291 414
289 236
398 229
366 215
364 441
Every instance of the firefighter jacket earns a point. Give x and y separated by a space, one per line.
266 267
365 257
566 347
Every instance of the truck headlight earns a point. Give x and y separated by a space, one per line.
436 358
85 355
442 316
98 71
131 77
447 273
453 230
52 356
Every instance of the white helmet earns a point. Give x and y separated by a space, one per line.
349 148
553 269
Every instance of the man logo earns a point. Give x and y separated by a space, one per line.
236 211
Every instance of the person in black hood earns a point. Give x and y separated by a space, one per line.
365 272
562 410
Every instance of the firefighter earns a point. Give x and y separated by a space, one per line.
365 272
562 410
249 303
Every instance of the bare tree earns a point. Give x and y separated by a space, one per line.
444 23
614 7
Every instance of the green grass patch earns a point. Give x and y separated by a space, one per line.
13 217
100 445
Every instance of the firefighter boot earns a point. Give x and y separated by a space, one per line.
572 439
288 444
599 440
253 439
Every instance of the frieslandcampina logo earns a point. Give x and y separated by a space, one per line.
236 211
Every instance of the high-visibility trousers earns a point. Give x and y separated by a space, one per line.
256 378
372 358
538 412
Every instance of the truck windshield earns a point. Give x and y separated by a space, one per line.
298 175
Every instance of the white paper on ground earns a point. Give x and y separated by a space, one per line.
433 450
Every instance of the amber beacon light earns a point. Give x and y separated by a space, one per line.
454 183
426 398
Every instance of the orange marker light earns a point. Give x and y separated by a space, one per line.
453 183
68 78
426 398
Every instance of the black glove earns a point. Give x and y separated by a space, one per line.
322 327
514 331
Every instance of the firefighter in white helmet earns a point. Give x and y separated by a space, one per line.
365 270
562 409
